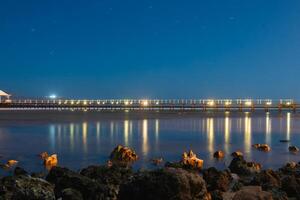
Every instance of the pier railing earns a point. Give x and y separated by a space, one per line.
151 104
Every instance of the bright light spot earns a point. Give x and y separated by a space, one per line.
288 103
211 103
84 102
53 96
269 103
157 103
145 103
248 103
227 103
126 103
72 102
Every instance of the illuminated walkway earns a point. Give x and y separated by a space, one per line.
153 104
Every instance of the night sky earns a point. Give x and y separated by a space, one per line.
150 49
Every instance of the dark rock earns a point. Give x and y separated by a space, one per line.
216 195
219 154
25 187
168 183
64 178
241 167
284 141
291 185
111 177
38 175
268 179
291 168
71 194
123 155
252 193
293 149
217 180
19 171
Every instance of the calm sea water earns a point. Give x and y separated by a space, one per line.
82 139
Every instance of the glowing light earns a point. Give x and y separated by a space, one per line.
210 134
269 103
288 126
145 103
53 96
145 137
126 131
211 103
247 137
227 103
157 103
248 103
126 103
288 103
84 102
72 102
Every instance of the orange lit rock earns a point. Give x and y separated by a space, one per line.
11 163
190 160
262 147
237 154
51 161
123 154
219 154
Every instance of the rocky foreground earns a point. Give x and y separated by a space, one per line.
183 180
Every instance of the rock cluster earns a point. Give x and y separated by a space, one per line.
180 181
262 147
123 155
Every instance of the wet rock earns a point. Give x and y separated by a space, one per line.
25 187
189 160
262 147
237 154
156 161
51 161
217 180
64 178
252 193
219 154
9 164
123 155
291 185
167 183
293 149
71 194
111 177
38 175
19 171
241 167
268 179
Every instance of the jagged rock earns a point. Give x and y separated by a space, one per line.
252 193
64 178
19 171
189 160
241 167
25 187
9 164
293 149
291 185
237 154
112 177
268 179
291 168
168 183
262 147
217 180
123 155
71 194
51 161
219 154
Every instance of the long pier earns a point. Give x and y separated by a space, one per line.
152 104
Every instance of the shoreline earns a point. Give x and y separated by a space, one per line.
185 179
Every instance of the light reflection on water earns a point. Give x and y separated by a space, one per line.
81 143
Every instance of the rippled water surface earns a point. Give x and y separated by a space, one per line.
81 139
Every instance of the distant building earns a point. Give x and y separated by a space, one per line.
4 97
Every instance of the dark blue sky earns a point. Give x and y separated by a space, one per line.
150 49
